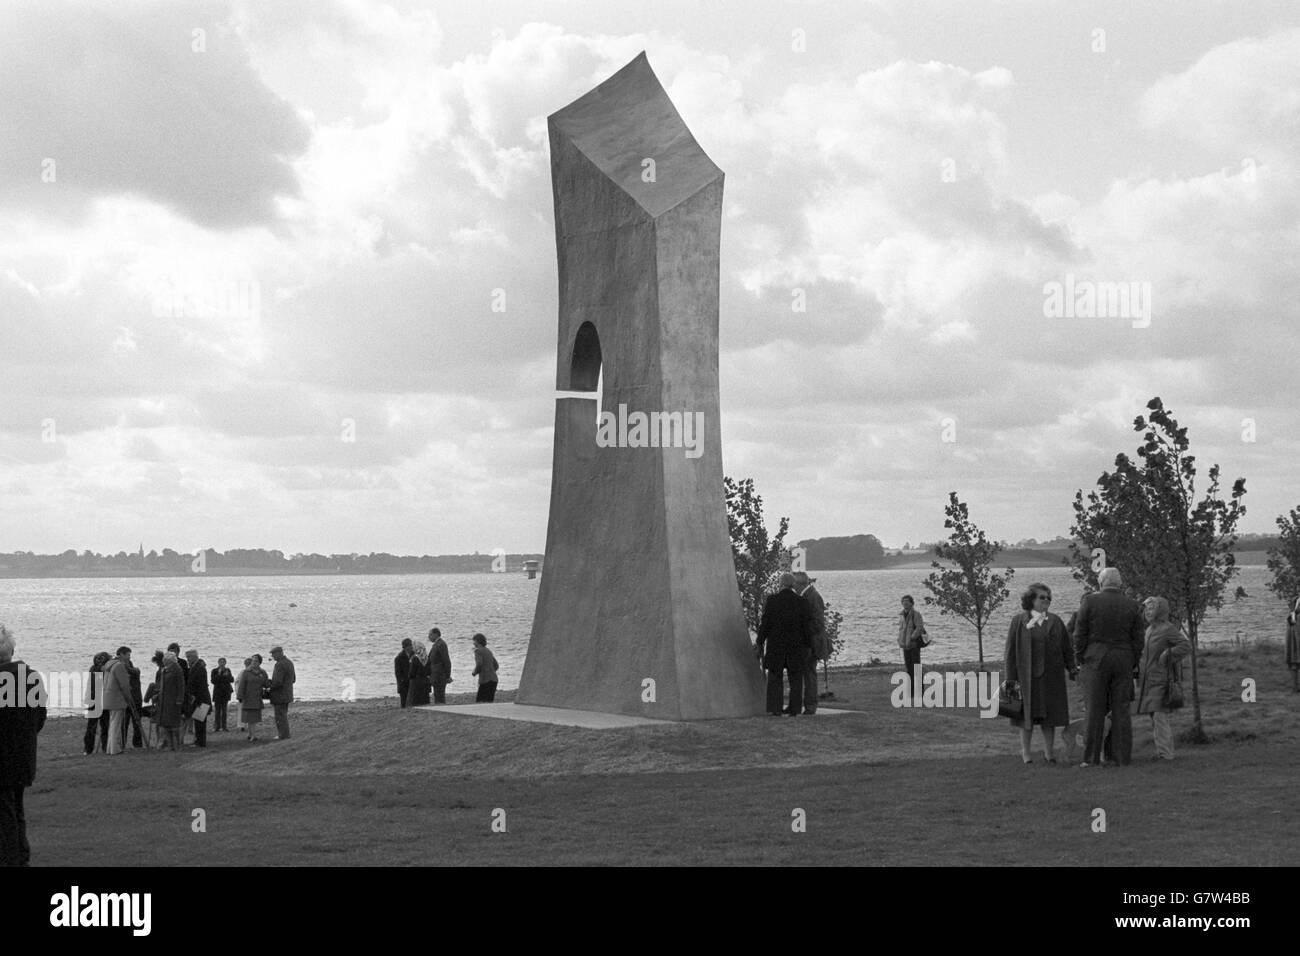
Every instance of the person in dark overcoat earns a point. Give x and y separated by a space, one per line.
19 726
785 634
402 669
196 694
1038 657
439 666
223 687
170 701
417 677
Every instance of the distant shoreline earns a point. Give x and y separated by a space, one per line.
1245 559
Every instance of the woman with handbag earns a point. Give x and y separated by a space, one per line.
1160 682
418 685
1039 655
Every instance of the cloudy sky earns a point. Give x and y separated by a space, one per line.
225 253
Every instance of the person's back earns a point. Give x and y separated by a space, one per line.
1108 618
787 620
1108 640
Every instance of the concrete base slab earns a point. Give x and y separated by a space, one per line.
564 716
567 717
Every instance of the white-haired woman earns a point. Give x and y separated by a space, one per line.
1165 648
171 700
417 690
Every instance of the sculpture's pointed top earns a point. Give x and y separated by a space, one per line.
627 120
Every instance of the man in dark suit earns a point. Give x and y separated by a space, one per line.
784 640
1108 639
439 666
282 680
819 651
402 669
196 693
19 725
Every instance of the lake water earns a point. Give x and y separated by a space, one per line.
352 626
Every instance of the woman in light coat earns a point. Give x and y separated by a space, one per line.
1165 648
1039 655
248 691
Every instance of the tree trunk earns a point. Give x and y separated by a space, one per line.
1197 735
979 635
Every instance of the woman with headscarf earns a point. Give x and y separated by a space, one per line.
1165 648
417 691
171 701
1039 655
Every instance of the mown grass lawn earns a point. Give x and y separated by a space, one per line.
366 783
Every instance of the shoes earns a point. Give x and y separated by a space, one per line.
1050 759
1026 758
1084 763
809 713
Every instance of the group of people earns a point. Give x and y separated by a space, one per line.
179 699
792 639
1127 655
424 669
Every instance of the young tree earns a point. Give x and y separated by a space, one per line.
1146 522
970 590
1284 559
836 640
759 559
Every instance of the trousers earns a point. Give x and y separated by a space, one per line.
221 708
810 685
14 849
281 720
97 725
1110 689
1163 733
116 731
791 662
487 693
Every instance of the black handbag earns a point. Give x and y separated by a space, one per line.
1010 702
1173 690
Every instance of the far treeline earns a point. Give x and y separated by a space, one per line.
865 552
250 561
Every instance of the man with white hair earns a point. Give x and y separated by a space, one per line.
1108 639
19 725
784 642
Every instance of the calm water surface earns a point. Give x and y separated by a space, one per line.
351 626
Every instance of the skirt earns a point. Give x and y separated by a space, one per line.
1293 647
253 716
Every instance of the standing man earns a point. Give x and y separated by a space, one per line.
910 630
784 640
402 669
197 695
223 683
282 681
117 699
820 649
18 729
439 666
1108 638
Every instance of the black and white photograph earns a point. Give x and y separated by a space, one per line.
466 435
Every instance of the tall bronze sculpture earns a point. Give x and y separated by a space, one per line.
638 610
